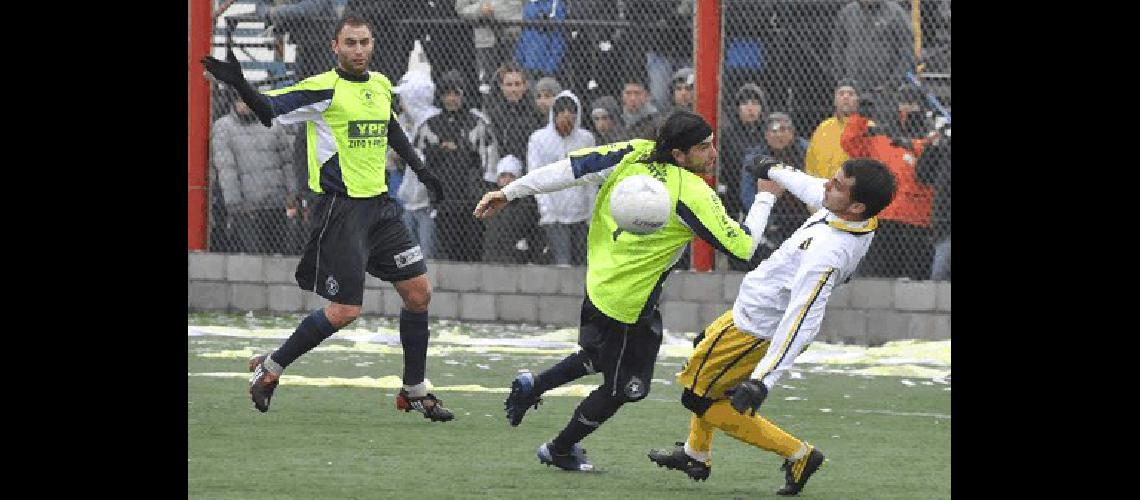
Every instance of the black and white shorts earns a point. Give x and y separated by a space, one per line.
351 236
624 354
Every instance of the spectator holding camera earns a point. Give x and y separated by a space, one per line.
903 245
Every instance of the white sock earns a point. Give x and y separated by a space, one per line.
799 453
416 391
697 455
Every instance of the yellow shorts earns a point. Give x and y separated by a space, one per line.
723 359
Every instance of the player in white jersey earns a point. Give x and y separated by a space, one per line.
777 313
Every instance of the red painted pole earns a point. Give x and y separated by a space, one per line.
198 112
707 52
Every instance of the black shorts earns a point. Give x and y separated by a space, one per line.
624 354
353 235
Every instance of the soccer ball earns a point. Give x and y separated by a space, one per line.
640 204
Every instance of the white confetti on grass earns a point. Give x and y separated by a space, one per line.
794 398
907 383
825 410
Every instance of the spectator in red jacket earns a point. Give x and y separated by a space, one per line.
902 245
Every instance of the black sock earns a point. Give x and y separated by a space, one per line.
572 367
312 331
414 338
590 414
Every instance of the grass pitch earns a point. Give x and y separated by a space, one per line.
333 430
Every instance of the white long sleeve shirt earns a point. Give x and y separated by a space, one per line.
784 298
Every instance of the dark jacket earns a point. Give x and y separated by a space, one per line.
513 236
933 169
512 123
735 138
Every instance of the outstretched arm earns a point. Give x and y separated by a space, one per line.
230 72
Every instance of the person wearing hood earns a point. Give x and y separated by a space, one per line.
515 237
563 215
417 93
605 114
254 168
458 144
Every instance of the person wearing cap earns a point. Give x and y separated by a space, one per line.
683 80
621 328
825 154
457 143
782 143
605 115
563 215
903 247
544 91
742 129
514 237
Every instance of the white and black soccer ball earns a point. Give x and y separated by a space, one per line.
640 204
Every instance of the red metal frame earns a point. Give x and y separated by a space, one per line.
707 52
198 112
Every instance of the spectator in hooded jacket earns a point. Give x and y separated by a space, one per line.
563 215
605 117
460 148
417 93
254 168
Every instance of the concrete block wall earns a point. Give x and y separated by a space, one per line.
864 311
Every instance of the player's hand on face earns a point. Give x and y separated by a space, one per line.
492 203
228 71
769 186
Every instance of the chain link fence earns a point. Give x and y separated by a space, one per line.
491 89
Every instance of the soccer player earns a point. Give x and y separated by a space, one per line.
620 331
740 356
348 121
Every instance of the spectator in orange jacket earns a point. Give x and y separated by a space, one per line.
903 246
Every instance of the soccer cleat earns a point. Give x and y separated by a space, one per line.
261 384
521 398
574 461
677 459
434 410
797 473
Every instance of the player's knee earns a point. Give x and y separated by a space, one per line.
416 294
340 315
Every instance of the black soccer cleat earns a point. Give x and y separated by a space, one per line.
260 384
521 398
434 410
797 473
677 459
574 461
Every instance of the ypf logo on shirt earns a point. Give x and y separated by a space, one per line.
366 133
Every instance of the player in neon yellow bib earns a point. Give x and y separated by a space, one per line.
620 332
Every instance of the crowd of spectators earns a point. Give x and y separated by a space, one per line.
502 99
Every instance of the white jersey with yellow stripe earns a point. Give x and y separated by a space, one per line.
784 298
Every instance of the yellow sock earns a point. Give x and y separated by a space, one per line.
754 430
699 445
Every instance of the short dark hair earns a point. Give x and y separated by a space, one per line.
635 78
875 185
510 66
351 19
